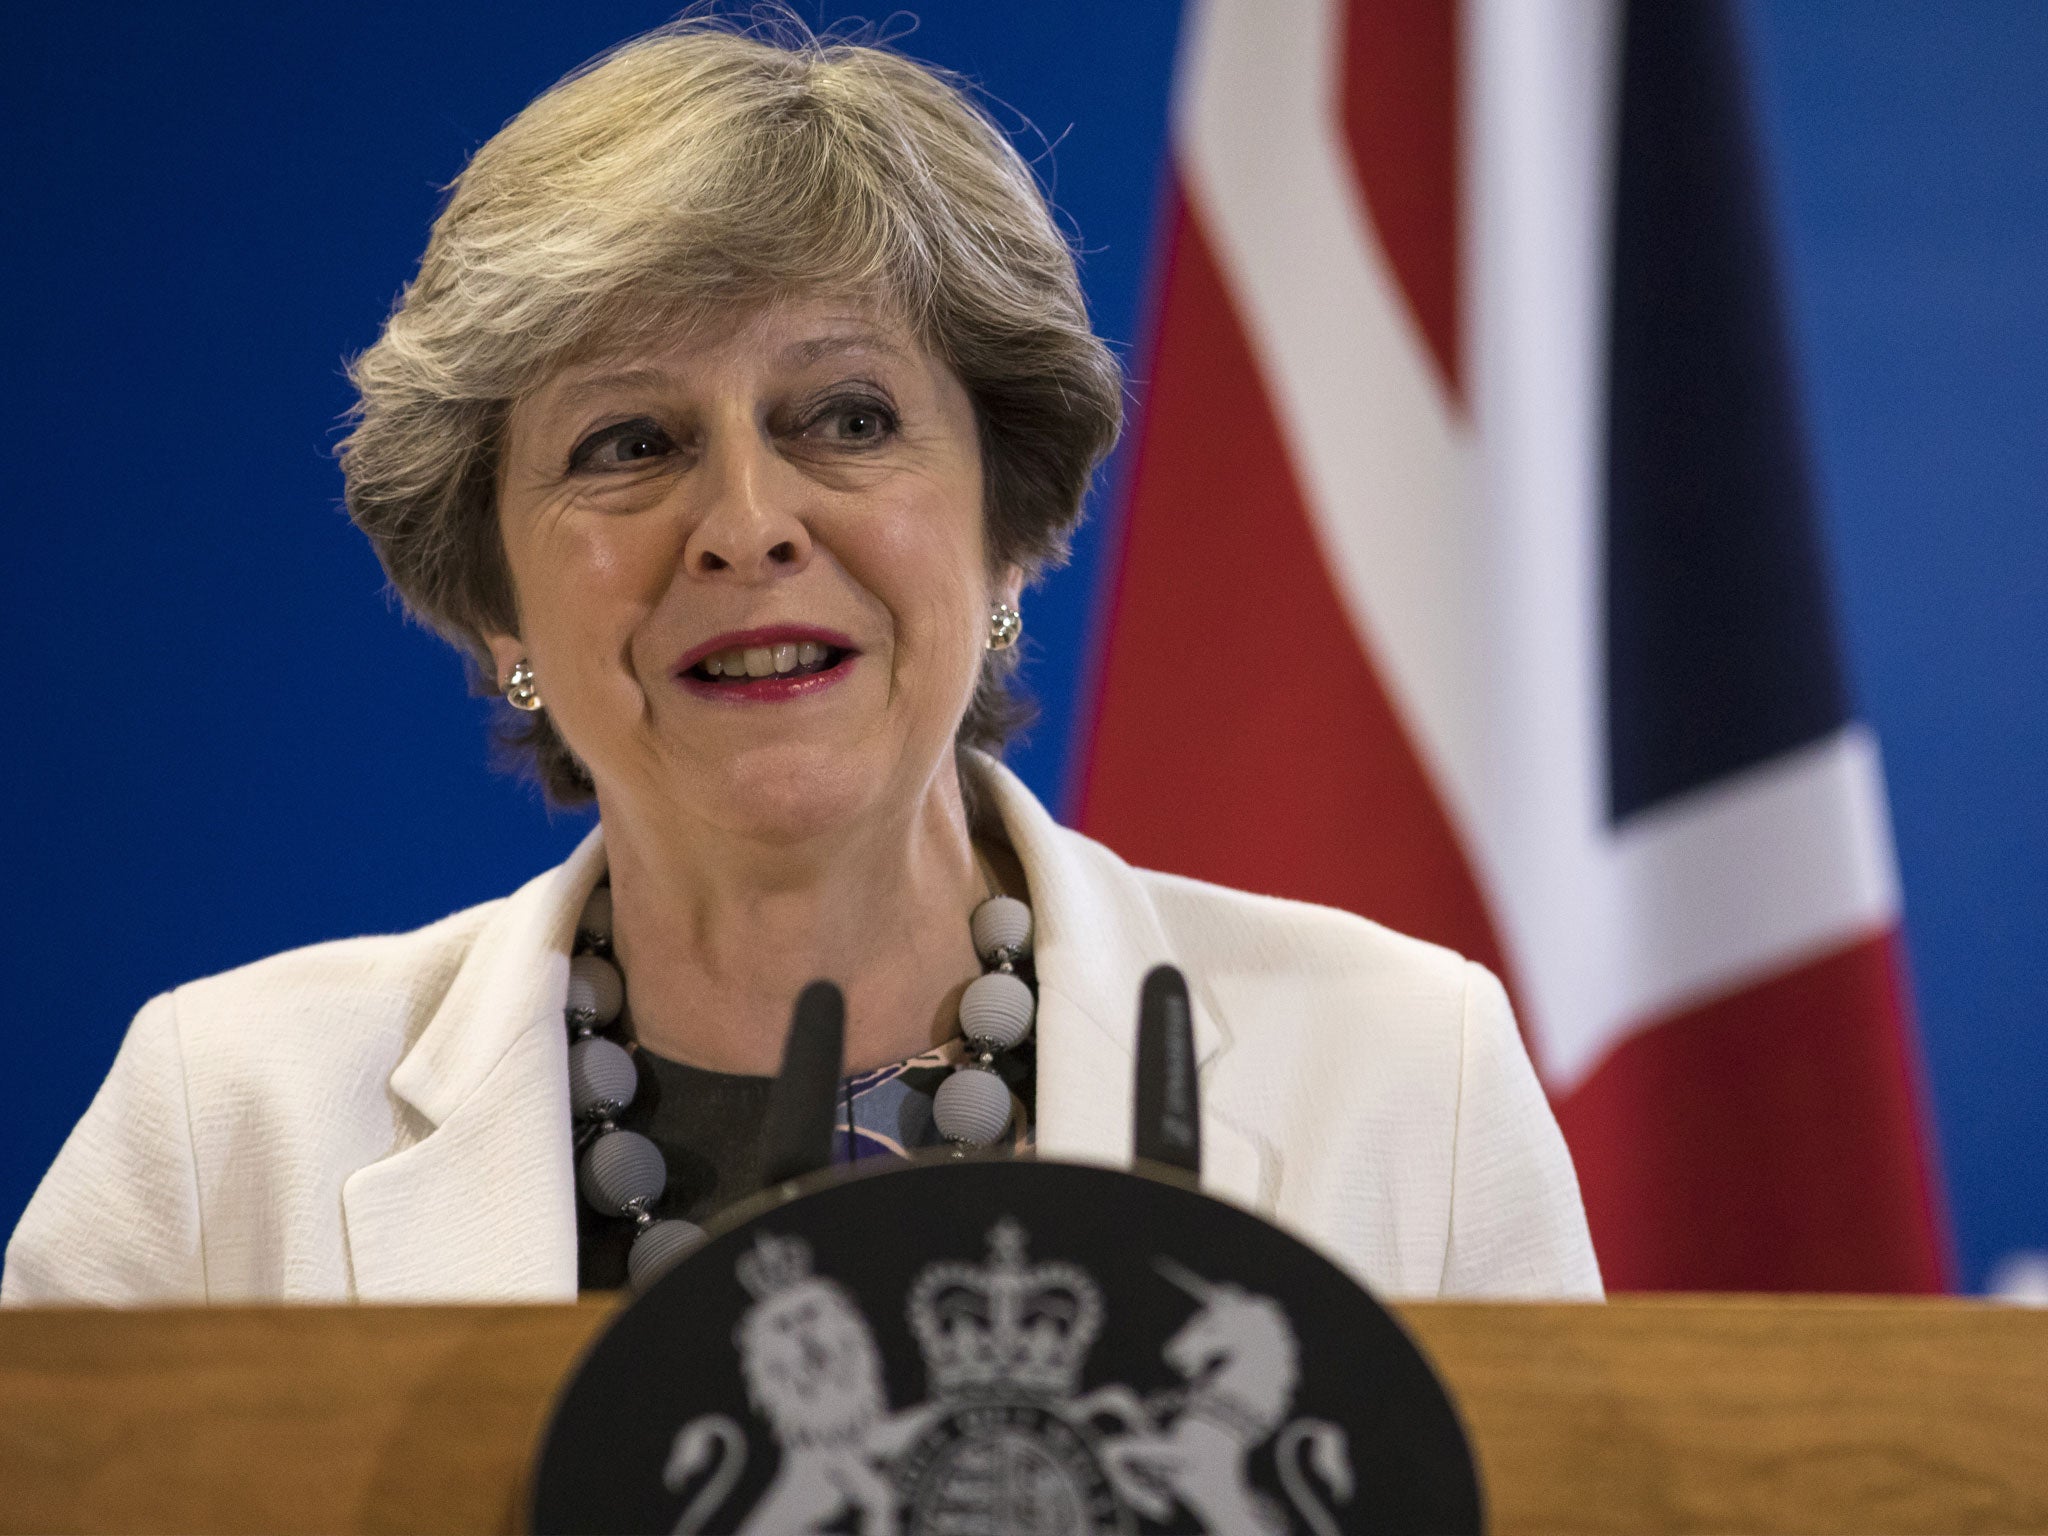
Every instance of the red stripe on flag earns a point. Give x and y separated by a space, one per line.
1401 123
1241 735
1769 1141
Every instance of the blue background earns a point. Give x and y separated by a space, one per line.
226 742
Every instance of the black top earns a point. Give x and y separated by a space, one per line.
708 1126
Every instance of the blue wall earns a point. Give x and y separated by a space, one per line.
1911 143
226 743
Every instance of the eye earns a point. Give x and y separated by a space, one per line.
854 421
623 445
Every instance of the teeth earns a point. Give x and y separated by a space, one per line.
765 660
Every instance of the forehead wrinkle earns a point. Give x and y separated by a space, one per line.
813 348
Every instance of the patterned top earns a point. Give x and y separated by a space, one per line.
708 1126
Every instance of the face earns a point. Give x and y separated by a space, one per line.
750 568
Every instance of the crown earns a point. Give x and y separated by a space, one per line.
776 1264
1003 1323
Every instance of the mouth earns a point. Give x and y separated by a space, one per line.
766 664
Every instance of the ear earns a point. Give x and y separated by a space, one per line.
506 650
1009 587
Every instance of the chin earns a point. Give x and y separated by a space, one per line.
797 790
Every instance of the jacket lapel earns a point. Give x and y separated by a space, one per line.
1097 934
482 1205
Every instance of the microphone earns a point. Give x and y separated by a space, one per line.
797 1138
1167 1124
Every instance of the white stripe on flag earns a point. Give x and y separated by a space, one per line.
1759 871
1382 460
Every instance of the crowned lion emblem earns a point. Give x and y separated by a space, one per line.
813 1372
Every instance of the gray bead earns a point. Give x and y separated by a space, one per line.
620 1168
997 1009
658 1249
1001 923
596 991
972 1106
594 927
601 1076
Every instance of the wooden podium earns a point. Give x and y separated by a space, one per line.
1698 1413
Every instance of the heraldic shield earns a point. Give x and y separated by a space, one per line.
984 1348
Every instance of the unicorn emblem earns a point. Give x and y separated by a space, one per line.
1240 1363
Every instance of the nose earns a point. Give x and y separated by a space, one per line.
747 528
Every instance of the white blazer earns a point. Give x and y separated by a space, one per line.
386 1119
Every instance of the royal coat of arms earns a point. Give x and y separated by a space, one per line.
1007 1442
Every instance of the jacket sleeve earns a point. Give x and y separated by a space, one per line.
116 1219
1518 1227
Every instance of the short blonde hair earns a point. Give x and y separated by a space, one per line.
699 167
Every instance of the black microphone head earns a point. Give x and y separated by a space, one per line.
797 1138
1167 1122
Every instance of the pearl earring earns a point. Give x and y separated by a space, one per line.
519 690
1005 624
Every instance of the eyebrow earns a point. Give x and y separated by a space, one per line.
577 391
802 353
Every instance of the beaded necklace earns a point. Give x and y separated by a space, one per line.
622 1173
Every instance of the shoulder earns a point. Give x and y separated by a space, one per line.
1301 978
380 969
1212 926
1244 928
1247 945
327 1006
1342 1022
1320 1000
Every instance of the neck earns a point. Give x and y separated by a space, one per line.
717 934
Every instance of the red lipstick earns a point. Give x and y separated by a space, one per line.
799 659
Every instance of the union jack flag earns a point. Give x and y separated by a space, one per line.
1469 580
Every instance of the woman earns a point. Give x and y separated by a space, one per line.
744 387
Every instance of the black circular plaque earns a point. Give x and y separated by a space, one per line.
1004 1346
